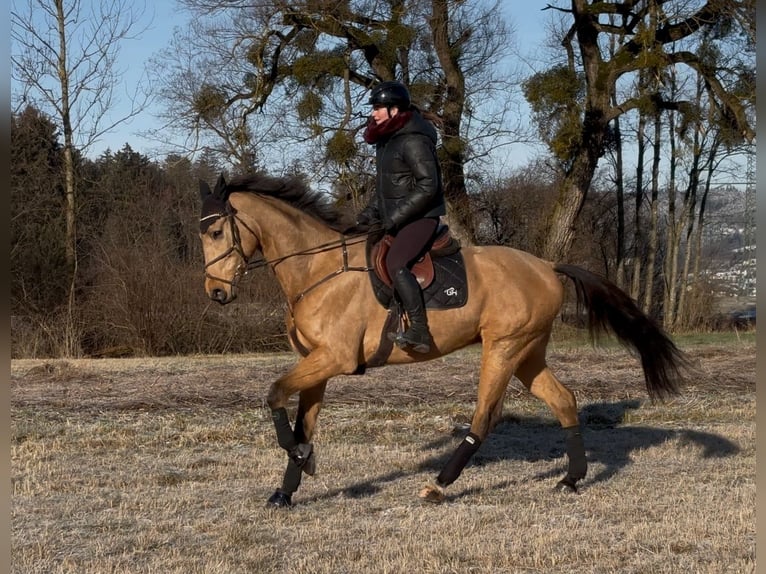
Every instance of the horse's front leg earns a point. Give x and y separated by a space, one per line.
303 459
309 377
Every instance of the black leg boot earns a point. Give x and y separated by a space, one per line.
417 335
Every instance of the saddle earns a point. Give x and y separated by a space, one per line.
423 269
440 273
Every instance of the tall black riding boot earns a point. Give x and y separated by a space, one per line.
417 335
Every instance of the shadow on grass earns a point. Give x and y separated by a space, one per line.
533 439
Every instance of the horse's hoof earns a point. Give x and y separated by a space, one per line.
303 457
280 500
432 493
566 485
310 466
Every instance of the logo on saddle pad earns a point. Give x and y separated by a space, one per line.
440 272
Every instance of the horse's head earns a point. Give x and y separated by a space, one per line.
226 256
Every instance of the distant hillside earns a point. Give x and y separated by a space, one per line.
729 251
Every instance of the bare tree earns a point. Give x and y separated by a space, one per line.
295 76
653 36
64 61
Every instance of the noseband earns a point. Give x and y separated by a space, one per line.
230 215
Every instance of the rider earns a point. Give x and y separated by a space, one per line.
409 198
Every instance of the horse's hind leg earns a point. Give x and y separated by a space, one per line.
542 383
499 359
305 422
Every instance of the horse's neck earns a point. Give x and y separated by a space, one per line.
284 231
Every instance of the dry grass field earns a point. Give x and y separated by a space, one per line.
164 465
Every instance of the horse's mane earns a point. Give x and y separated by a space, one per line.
293 191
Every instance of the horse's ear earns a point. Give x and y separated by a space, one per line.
220 186
204 190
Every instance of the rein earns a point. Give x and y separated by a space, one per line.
246 266
342 243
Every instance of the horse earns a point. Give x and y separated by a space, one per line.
336 325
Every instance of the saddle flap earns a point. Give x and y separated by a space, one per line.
423 269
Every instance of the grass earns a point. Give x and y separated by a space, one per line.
567 337
164 465
716 338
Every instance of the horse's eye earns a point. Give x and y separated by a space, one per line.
216 234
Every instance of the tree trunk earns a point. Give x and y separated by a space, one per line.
690 206
590 147
71 340
682 319
701 218
638 230
460 213
620 187
673 235
63 74
570 200
651 255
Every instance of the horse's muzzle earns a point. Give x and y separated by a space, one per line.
222 296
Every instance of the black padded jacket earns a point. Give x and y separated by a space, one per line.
409 181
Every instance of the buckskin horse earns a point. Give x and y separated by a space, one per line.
337 324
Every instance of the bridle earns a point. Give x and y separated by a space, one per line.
246 265
230 215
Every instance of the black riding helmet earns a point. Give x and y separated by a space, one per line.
389 94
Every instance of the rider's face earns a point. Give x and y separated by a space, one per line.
381 113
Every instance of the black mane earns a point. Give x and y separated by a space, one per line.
292 190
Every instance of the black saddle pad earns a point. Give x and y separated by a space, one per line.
448 290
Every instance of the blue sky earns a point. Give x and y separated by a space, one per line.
162 16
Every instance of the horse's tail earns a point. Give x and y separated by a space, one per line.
611 309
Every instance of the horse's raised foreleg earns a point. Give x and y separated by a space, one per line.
542 383
305 423
309 377
496 371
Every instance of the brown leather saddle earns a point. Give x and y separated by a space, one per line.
443 244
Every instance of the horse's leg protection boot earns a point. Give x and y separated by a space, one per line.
300 453
417 335
578 463
459 459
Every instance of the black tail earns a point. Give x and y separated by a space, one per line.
611 309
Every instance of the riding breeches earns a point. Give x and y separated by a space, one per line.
410 244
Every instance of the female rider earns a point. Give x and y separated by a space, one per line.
408 200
